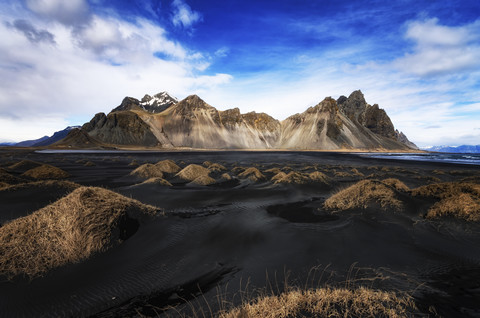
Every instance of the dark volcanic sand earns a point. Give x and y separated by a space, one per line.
219 237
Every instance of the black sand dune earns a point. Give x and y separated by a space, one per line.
217 237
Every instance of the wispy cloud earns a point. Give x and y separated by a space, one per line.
183 15
440 49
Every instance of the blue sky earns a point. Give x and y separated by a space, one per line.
62 61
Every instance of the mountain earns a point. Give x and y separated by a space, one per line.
43 141
59 135
152 104
162 121
30 143
455 149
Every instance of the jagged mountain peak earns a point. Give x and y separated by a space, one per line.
152 104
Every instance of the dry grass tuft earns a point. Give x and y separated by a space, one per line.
44 184
3 185
291 178
204 180
192 172
134 163
456 199
319 177
89 164
168 166
253 174
157 181
216 167
364 193
327 302
46 172
147 171
226 177
274 170
397 184
342 174
24 165
87 221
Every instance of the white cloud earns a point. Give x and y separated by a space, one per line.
68 12
183 14
441 50
44 87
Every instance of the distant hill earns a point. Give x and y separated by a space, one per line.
43 141
30 143
163 122
455 149
59 135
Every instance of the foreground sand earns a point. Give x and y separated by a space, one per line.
225 227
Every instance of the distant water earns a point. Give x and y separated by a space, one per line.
461 158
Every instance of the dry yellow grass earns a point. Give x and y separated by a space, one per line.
147 171
64 184
46 172
292 177
89 164
168 166
397 184
456 199
216 167
24 165
157 181
134 163
363 194
319 177
87 221
192 172
226 177
273 170
342 174
253 174
203 180
327 302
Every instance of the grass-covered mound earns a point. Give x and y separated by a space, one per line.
87 221
203 180
192 172
253 174
44 185
364 194
168 166
294 177
147 171
46 171
455 199
24 165
326 302
157 181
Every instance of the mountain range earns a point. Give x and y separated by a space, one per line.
161 121
43 141
455 149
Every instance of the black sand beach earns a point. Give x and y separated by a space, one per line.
245 232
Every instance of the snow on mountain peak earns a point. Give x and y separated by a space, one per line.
157 102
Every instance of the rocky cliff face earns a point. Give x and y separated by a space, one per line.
331 126
120 128
194 123
161 121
